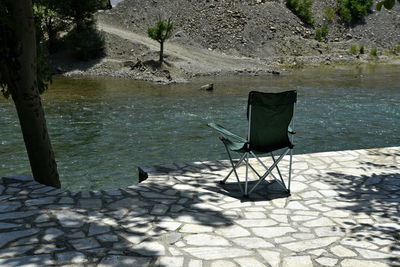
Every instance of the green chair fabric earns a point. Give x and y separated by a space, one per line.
271 114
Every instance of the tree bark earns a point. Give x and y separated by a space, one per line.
161 52
25 94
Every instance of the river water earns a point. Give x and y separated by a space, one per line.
103 128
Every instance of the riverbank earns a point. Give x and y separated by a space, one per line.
175 70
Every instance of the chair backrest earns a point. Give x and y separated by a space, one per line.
269 117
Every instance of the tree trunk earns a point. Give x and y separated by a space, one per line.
24 91
161 53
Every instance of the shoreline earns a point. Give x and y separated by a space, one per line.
113 68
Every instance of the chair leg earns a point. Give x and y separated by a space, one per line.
231 171
234 169
290 171
262 163
269 171
255 171
232 164
279 172
247 175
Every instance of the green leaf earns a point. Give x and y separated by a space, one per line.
389 4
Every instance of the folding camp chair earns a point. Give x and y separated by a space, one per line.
269 116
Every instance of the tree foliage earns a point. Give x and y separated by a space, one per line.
50 21
388 4
161 32
353 10
302 8
80 12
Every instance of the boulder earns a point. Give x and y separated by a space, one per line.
207 87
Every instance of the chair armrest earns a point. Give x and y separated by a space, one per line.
225 132
290 130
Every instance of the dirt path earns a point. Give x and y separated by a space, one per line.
192 59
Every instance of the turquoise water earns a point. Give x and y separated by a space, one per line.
103 128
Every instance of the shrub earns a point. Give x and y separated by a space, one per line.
353 10
353 49
302 9
374 52
390 52
322 33
397 49
329 13
361 49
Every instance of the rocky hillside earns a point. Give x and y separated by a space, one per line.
222 37
256 28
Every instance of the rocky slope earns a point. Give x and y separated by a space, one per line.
255 28
265 31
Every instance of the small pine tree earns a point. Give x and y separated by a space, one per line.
160 33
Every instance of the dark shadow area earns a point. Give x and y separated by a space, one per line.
79 50
267 190
208 177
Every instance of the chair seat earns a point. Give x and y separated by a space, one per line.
241 147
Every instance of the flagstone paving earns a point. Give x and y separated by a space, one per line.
343 211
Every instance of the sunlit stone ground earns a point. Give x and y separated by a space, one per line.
343 211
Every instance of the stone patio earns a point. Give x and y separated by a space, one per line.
343 211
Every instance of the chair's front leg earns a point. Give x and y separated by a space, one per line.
290 170
233 169
279 172
262 163
269 171
247 174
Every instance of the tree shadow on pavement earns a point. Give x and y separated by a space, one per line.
374 197
135 226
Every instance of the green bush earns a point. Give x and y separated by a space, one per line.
329 13
374 52
390 52
88 43
353 10
361 49
302 9
321 33
397 49
353 49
